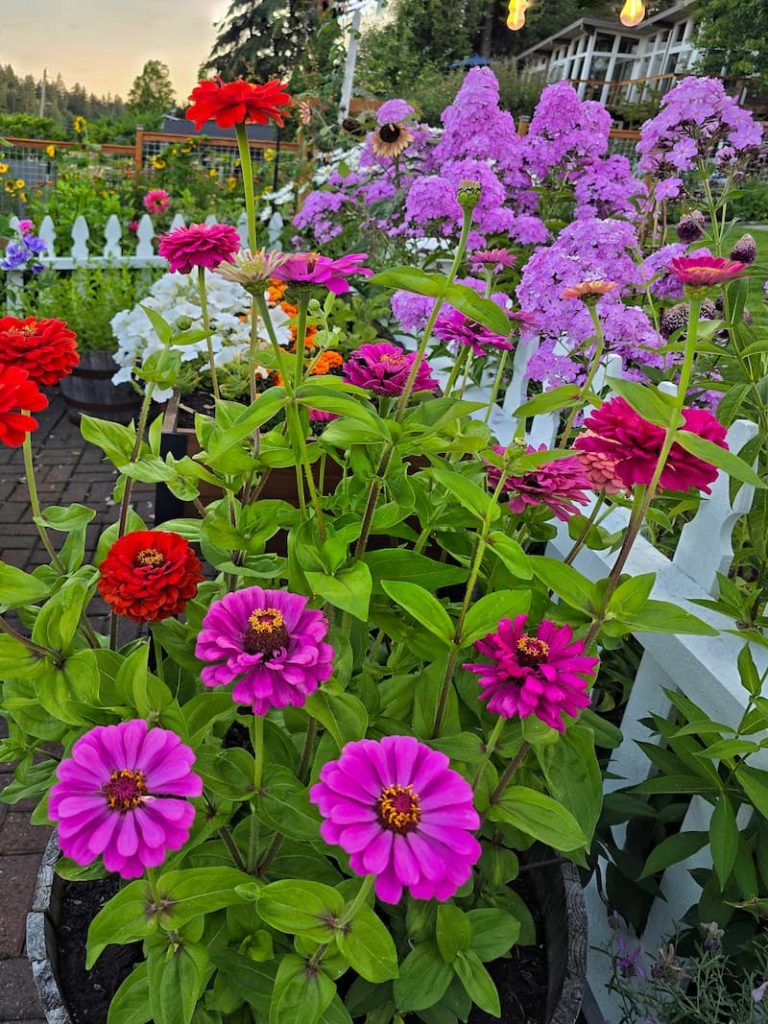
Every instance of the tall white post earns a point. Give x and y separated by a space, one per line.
349 66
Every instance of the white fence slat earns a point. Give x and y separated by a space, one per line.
177 222
242 230
518 385
47 232
80 235
274 228
113 232
145 234
705 546
210 219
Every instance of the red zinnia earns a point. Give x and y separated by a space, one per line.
149 575
615 429
46 349
18 392
706 271
231 103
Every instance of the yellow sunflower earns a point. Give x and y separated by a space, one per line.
391 140
3 168
158 163
269 155
79 125
213 173
50 151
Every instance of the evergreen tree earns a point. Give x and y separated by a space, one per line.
152 94
263 39
734 36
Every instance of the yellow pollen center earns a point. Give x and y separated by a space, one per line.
150 557
392 360
266 633
125 790
399 809
265 620
531 650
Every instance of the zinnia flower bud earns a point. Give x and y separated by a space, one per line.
182 323
745 250
469 194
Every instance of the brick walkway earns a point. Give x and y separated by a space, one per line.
67 471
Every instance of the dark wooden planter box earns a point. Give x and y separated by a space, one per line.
557 887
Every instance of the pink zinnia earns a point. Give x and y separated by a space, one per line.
269 644
544 674
559 485
123 795
156 200
456 327
492 259
402 814
199 245
706 271
27 227
384 369
310 268
615 429
600 467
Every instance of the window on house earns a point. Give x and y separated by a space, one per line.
604 42
627 45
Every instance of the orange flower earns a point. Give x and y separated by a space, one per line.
275 290
326 362
588 291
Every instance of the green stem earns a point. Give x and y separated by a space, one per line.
490 746
508 772
467 371
458 365
587 385
301 337
247 168
43 652
252 349
580 540
34 501
159 666
359 901
207 327
496 384
229 842
257 742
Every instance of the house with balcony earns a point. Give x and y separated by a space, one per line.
608 62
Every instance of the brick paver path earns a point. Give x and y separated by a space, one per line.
67 471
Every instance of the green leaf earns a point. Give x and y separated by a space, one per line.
126 918
267 405
368 947
177 975
410 567
573 774
484 615
754 782
18 588
189 893
350 589
511 553
284 805
713 454
294 907
300 993
494 932
723 839
130 1004
750 677
453 932
69 518
672 850
161 327
424 978
342 714
115 440
474 498
664 617
422 606
412 279
576 590
653 405
484 311
550 401
477 982
538 816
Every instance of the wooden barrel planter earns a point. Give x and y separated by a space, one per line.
556 885
89 389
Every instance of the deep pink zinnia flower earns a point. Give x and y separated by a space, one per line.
269 643
617 430
402 814
156 200
559 485
492 259
544 674
312 268
456 327
706 271
384 370
199 245
123 795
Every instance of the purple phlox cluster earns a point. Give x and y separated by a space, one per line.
317 214
586 250
23 253
413 310
475 125
394 110
696 119
565 132
528 229
606 187
667 188
655 271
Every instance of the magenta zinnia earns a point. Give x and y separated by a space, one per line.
615 429
269 644
492 259
706 271
123 794
559 485
199 245
384 369
402 814
310 268
460 329
542 673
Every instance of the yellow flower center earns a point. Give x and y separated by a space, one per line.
399 809
266 632
125 790
150 558
532 651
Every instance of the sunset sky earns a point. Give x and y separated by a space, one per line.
103 44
